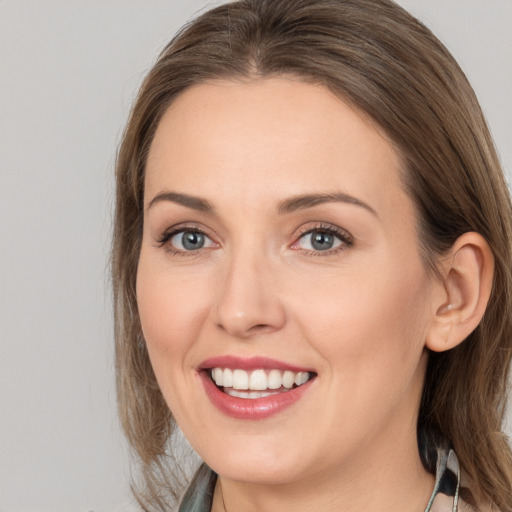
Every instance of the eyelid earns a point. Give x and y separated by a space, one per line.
169 232
167 235
347 240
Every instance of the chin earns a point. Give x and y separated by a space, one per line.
260 462
259 471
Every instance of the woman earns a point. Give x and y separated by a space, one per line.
312 267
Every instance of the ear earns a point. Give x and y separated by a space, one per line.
463 292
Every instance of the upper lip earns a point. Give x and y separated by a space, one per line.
250 363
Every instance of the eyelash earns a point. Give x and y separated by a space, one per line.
343 236
164 240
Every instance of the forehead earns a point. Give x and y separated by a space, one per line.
270 136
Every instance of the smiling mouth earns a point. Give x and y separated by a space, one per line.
259 383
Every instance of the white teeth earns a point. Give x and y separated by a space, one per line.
240 379
275 381
249 394
288 379
227 379
257 380
218 375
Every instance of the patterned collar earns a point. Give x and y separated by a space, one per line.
444 498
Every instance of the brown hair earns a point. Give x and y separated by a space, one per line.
384 62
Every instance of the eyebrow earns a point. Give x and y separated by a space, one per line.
196 203
309 200
290 205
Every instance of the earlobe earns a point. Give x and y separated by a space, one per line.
467 271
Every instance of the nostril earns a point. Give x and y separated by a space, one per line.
244 311
244 330
260 326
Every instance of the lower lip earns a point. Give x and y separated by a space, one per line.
251 408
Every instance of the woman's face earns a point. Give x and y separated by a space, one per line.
279 247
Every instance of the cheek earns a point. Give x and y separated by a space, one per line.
370 334
369 320
172 307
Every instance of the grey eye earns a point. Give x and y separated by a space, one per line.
190 240
319 240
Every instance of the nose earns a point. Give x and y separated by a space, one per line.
249 302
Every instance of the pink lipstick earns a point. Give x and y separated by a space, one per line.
253 388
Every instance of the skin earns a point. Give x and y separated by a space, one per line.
359 314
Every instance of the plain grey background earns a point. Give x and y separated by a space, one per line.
68 73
